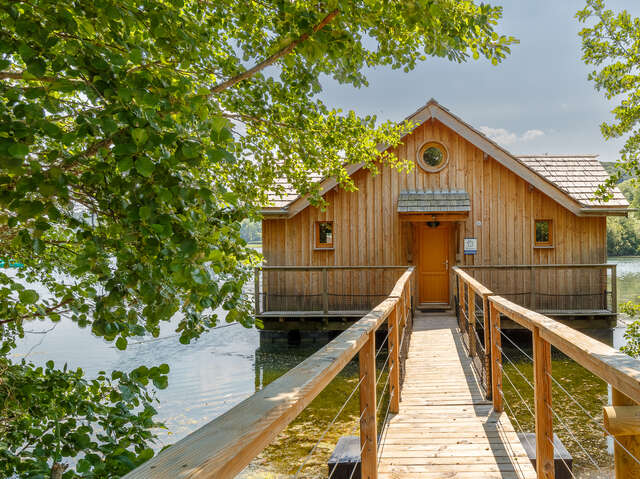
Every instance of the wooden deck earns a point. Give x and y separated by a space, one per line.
445 427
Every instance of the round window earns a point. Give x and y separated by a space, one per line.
432 156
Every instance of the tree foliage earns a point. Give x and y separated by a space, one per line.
623 233
611 43
134 138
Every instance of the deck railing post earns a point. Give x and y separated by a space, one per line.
626 467
256 289
487 344
368 432
325 290
542 397
394 363
496 359
472 321
614 289
532 282
461 296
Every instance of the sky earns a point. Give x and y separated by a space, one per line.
537 101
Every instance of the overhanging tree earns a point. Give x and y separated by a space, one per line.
611 43
134 138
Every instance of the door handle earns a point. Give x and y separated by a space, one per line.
446 265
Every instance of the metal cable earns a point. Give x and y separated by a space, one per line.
517 392
384 366
384 423
506 403
315 446
557 416
592 418
382 393
517 347
355 465
355 426
516 368
384 341
562 459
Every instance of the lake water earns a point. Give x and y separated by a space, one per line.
228 364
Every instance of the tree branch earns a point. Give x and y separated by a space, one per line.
276 56
51 309
20 76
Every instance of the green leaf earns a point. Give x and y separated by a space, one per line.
145 166
28 296
139 135
121 343
18 150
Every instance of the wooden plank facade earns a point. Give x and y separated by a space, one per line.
368 230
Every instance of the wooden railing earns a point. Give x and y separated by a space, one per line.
225 446
554 289
322 290
622 372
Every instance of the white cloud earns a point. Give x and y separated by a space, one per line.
505 137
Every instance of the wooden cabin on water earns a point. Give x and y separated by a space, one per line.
528 227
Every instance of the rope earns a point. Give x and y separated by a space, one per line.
315 446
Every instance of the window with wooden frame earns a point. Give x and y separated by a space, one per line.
543 231
323 235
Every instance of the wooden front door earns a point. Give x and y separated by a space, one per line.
433 263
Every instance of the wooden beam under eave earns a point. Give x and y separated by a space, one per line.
421 217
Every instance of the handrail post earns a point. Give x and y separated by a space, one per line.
487 344
368 432
472 321
496 359
394 363
256 289
626 467
542 396
325 291
614 289
461 296
532 283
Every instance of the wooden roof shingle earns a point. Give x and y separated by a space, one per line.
578 176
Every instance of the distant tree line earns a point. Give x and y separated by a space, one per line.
623 233
251 231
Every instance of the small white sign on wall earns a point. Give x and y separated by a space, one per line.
470 245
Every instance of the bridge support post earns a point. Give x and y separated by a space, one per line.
368 428
626 467
394 363
496 359
544 420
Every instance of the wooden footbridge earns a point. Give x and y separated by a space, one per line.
445 416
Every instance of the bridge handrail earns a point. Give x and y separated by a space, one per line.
225 446
619 370
609 364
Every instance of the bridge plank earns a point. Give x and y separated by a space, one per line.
445 427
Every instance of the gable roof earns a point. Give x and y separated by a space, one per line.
574 188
